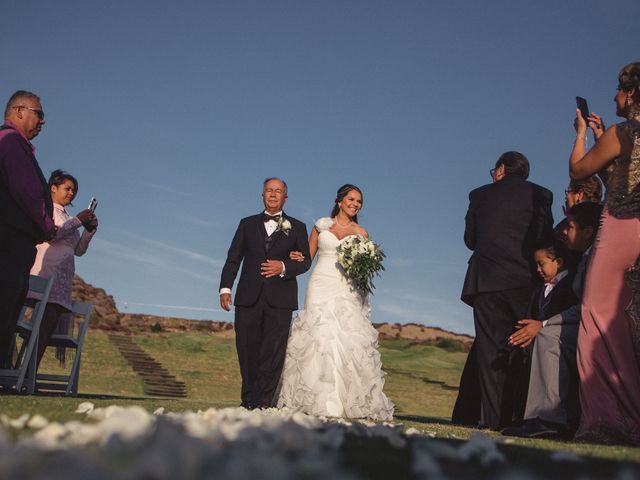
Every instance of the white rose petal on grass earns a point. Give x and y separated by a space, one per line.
84 407
37 422
104 413
20 422
4 420
127 423
159 411
49 437
481 447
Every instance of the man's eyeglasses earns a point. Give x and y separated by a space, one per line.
39 113
492 172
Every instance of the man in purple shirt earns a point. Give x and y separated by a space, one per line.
26 209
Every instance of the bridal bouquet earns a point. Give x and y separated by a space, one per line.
361 259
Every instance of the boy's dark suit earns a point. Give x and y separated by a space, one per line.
263 306
552 392
559 299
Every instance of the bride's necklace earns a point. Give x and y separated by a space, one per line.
348 223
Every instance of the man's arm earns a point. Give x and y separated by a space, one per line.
293 268
231 267
544 220
470 228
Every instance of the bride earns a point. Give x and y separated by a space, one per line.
332 366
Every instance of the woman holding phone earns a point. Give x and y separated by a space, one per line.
609 335
56 257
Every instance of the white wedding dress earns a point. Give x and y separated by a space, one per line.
332 366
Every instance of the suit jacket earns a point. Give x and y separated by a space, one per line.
504 223
560 298
573 314
248 247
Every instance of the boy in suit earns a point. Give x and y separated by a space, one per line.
552 297
552 408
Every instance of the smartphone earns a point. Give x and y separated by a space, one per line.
93 204
581 103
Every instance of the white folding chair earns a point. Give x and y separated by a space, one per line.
23 373
68 383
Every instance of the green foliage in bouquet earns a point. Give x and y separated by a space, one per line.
361 260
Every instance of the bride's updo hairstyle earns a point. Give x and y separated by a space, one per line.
342 192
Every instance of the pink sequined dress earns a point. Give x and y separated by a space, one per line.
609 335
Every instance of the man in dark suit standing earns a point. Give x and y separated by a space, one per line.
505 221
267 291
26 210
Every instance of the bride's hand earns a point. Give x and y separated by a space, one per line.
297 256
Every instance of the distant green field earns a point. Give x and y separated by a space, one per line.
419 380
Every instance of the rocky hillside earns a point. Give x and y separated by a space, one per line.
107 317
105 313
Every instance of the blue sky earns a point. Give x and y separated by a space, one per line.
172 114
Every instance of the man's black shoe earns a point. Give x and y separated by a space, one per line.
535 428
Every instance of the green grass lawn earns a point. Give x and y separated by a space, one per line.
417 381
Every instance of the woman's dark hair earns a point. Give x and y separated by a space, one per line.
342 192
515 163
58 177
629 80
590 186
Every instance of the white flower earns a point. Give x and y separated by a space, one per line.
284 226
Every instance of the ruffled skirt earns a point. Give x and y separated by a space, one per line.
332 366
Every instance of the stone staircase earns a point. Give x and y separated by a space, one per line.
157 380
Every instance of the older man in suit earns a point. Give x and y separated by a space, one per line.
505 221
267 291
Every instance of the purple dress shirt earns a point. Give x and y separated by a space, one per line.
22 186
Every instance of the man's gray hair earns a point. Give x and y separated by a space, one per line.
17 99
264 184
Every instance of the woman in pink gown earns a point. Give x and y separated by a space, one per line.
609 335
56 257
